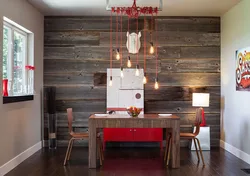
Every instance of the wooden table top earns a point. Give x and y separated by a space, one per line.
141 116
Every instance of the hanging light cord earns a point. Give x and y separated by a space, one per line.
116 29
151 36
156 46
145 45
111 55
137 41
121 40
128 35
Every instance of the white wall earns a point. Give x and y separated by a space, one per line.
235 105
20 123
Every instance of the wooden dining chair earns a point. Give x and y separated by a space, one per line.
188 136
80 136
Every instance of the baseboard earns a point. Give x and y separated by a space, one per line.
4 169
235 151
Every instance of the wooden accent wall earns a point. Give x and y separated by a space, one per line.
76 53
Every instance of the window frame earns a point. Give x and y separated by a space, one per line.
10 62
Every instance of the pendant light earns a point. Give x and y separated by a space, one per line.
156 84
110 81
137 72
151 49
129 62
122 74
145 81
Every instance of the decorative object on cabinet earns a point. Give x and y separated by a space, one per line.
50 94
201 100
133 111
30 84
133 43
5 87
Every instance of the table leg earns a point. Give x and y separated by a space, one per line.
92 144
176 144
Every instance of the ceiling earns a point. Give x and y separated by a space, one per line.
98 7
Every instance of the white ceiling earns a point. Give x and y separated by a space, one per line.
98 7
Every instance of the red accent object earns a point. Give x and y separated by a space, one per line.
5 87
134 11
132 135
203 123
29 67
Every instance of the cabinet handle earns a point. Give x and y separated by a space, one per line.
134 129
130 130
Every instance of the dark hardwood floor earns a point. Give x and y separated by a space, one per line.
129 162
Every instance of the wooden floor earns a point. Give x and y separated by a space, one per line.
129 162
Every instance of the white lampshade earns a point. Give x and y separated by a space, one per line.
201 99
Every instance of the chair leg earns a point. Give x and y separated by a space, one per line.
169 151
166 149
200 151
196 151
102 149
99 151
71 146
67 153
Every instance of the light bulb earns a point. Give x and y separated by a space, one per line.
151 49
145 79
110 81
117 54
156 84
137 73
129 62
122 75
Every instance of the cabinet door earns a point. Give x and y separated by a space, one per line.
148 134
118 134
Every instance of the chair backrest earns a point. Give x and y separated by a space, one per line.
198 120
70 119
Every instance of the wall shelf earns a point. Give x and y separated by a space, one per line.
13 99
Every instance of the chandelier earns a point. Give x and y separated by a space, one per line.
134 12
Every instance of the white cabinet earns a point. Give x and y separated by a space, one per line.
125 92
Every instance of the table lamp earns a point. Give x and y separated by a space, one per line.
201 100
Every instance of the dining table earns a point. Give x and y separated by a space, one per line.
170 122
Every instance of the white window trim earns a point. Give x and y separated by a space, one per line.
10 65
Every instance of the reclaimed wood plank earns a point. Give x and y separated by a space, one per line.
177 107
186 79
81 105
81 93
199 24
53 66
59 52
80 119
71 38
68 79
200 52
191 65
179 93
169 38
93 24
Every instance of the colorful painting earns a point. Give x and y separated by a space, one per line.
243 69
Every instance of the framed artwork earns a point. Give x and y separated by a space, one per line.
243 69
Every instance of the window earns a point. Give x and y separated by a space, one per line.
17 64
